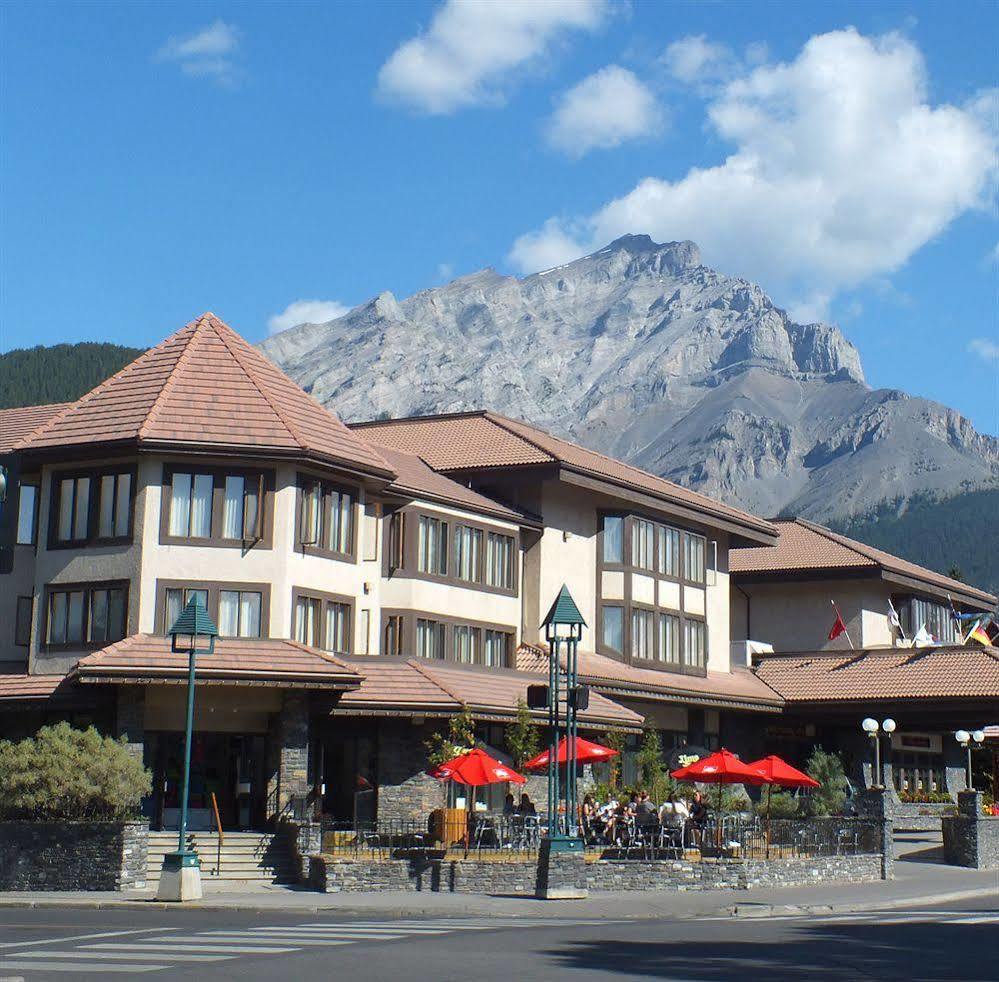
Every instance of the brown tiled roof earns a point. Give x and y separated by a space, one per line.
738 688
805 546
148 657
888 674
415 477
471 441
205 386
29 687
16 424
393 685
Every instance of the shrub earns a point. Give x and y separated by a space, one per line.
64 773
782 805
460 738
830 796
523 737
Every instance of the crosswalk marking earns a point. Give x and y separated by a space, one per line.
243 949
285 939
77 937
137 955
74 966
319 933
351 929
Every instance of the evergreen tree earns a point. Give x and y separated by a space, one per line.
459 738
830 796
523 737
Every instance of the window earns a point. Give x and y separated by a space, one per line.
642 643
337 633
74 509
467 553
429 638
340 527
312 514
241 507
22 621
27 515
239 614
86 615
176 599
116 506
393 635
323 623
669 551
613 539
191 506
497 649
641 543
307 613
669 638
694 655
499 561
432 546
466 644
397 541
613 628
936 618
693 559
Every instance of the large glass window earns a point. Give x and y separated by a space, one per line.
337 635
642 638
116 506
693 562
432 546
241 507
107 615
497 653
669 638
466 644
613 536
430 638
86 615
694 649
499 561
176 599
340 533
191 505
613 628
467 553
669 551
27 515
307 614
641 543
239 613
74 509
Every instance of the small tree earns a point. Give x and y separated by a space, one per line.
650 763
615 740
460 737
830 796
523 737
64 773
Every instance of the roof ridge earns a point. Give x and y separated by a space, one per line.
215 323
430 677
171 378
498 419
842 540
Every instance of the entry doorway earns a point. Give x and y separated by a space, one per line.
232 766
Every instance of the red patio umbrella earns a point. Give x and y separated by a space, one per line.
475 769
781 773
586 753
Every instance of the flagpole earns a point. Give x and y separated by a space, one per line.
840 616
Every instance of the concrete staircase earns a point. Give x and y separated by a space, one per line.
246 859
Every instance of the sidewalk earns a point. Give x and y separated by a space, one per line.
915 883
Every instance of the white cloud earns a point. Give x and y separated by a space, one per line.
445 271
841 171
696 59
985 349
604 110
306 312
552 245
472 48
209 53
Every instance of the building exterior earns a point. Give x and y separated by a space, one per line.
367 582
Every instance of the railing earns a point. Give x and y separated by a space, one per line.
221 838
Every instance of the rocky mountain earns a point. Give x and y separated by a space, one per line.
641 351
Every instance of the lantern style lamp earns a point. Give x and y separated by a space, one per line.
874 729
180 878
970 741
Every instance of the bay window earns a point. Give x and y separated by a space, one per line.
215 506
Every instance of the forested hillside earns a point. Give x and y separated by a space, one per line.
59 373
960 533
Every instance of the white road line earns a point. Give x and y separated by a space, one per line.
349 928
284 939
42 966
291 933
137 955
243 949
80 937
980 919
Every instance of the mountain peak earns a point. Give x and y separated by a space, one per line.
674 256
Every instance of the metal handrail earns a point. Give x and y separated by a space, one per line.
221 839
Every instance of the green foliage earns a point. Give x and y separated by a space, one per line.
651 765
958 534
523 737
925 797
782 805
60 373
615 740
63 773
460 737
830 796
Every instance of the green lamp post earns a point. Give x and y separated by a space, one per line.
181 875
563 627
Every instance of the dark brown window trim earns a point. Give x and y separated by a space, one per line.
214 588
409 618
219 474
627 565
19 622
37 486
304 480
298 593
93 507
87 588
410 518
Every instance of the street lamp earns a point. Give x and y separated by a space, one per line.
180 878
563 626
873 729
968 741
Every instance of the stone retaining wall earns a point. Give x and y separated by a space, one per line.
73 855
971 838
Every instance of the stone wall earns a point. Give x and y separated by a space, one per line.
73 855
405 791
303 841
289 755
971 838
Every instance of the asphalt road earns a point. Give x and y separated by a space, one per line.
956 941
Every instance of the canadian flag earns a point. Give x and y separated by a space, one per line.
838 627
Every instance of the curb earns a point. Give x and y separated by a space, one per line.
749 911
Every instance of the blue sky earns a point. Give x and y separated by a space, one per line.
164 159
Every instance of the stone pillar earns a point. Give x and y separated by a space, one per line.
561 870
877 805
130 715
289 757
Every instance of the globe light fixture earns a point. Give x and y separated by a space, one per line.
870 726
873 729
888 725
962 737
970 741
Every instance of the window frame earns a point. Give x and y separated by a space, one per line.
33 537
95 476
261 477
326 600
214 589
406 620
87 589
19 622
306 483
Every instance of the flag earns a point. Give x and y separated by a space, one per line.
893 618
838 628
922 638
979 634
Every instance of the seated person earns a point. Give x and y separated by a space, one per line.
645 810
526 806
509 807
699 811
